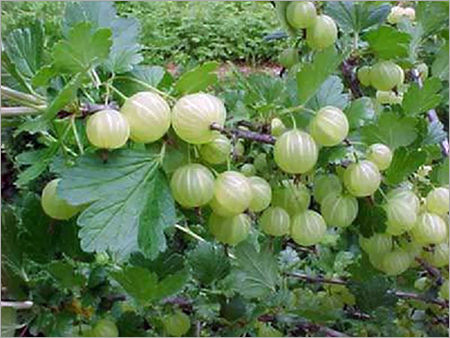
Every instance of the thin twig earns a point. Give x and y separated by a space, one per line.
245 134
18 111
415 296
317 279
431 270
189 232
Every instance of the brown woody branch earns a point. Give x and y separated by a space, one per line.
348 71
245 134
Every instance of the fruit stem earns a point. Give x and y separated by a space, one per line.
118 92
75 134
145 84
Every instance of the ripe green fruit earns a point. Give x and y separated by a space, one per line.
275 221
148 115
377 244
429 229
381 155
443 292
396 14
239 149
308 228
385 75
295 152
177 324
293 198
376 261
363 75
438 255
438 201
396 262
105 328
277 127
248 170
322 34
216 151
339 210
232 194
362 178
329 127
388 97
192 185
53 205
407 195
289 57
229 230
193 115
301 14
262 194
107 129
401 216
324 184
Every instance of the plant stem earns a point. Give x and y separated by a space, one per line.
75 134
118 92
21 97
19 111
190 232
296 108
17 305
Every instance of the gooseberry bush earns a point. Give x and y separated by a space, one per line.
313 203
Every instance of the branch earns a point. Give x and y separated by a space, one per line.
347 68
432 271
18 305
399 294
18 111
431 114
245 134
16 95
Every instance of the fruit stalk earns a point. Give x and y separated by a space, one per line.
245 134
431 114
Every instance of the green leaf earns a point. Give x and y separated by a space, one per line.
439 68
354 16
435 133
65 275
330 93
197 79
11 77
67 95
371 218
311 77
83 49
388 43
209 263
316 306
390 129
43 76
164 265
158 214
11 252
440 173
432 16
37 167
25 48
256 274
112 219
419 100
373 293
154 76
144 286
404 163
125 50
359 112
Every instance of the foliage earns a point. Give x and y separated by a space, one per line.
136 259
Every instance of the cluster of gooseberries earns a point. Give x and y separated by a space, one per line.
282 209
386 77
321 30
